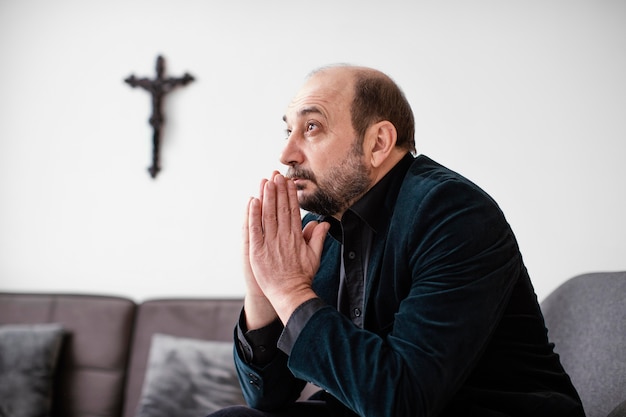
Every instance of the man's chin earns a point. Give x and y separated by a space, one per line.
304 201
303 197
305 189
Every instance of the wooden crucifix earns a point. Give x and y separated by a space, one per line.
157 88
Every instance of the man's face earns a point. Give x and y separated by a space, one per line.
325 158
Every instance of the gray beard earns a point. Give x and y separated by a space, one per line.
346 183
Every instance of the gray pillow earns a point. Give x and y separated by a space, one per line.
188 378
28 359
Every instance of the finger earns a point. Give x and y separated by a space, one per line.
268 214
307 232
272 177
294 206
262 188
263 184
254 225
245 232
315 233
283 207
245 249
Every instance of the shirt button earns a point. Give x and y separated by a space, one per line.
351 255
357 312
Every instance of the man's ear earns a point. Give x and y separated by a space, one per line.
383 136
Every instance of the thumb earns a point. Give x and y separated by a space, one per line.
314 234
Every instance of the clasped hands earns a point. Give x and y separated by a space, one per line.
280 258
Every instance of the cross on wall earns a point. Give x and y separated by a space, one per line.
158 88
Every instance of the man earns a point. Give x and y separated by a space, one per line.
404 294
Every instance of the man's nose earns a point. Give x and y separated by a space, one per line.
291 154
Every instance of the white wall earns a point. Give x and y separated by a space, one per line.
527 98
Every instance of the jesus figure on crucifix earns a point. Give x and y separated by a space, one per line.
157 88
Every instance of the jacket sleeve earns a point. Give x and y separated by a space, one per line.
268 385
448 268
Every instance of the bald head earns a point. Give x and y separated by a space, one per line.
373 96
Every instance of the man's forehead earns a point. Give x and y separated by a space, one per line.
304 111
321 93
330 81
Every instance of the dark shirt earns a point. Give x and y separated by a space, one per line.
355 233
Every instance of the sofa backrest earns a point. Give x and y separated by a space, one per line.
586 321
94 354
209 319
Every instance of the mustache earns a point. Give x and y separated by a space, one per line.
301 173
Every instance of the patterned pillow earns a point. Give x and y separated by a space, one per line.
188 378
28 360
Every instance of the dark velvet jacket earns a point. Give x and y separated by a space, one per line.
452 326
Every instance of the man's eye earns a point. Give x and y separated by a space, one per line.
287 133
310 126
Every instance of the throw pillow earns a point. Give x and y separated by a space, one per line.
188 378
28 359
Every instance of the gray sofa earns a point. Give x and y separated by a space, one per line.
107 352
586 321
104 353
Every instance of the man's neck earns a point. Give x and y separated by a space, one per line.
378 173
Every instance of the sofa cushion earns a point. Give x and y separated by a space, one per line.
207 319
619 411
93 358
28 360
189 378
